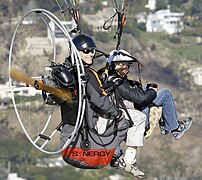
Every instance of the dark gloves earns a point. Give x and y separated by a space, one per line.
152 86
134 83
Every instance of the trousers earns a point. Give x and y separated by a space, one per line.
169 114
135 134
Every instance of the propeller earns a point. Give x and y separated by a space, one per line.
39 85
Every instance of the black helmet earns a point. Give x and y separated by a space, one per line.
83 41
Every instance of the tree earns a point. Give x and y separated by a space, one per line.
161 4
19 153
195 9
4 8
177 3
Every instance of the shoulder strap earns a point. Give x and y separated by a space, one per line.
94 73
118 81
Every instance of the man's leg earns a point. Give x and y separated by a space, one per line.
165 100
135 138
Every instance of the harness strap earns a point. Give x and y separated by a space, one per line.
120 101
118 81
85 143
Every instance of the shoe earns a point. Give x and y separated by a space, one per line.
162 127
182 128
115 160
131 168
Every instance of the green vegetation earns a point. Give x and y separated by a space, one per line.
11 149
131 28
180 47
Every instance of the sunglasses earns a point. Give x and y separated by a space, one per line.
87 51
122 63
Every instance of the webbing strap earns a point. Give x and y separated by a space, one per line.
120 100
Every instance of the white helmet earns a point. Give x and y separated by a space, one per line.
119 56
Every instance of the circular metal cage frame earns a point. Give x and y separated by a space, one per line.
75 58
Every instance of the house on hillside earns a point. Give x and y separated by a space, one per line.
38 46
51 162
19 88
14 176
5 91
165 21
97 20
151 4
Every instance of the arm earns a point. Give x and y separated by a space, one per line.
97 96
139 97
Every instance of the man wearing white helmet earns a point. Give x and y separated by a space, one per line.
119 67
119 61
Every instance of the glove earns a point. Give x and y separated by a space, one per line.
134 83
152 86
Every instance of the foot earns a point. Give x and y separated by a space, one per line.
131 168
115 160
163 130
182 128
162 127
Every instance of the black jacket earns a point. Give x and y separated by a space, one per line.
97 100
134 93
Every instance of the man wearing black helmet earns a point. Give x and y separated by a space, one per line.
95 93
97 102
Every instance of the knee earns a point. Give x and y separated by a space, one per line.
142 119
164 91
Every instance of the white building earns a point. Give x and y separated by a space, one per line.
38 46
4 91
20 89
14 176
151 5
51 162
141 17
165 21
41 46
